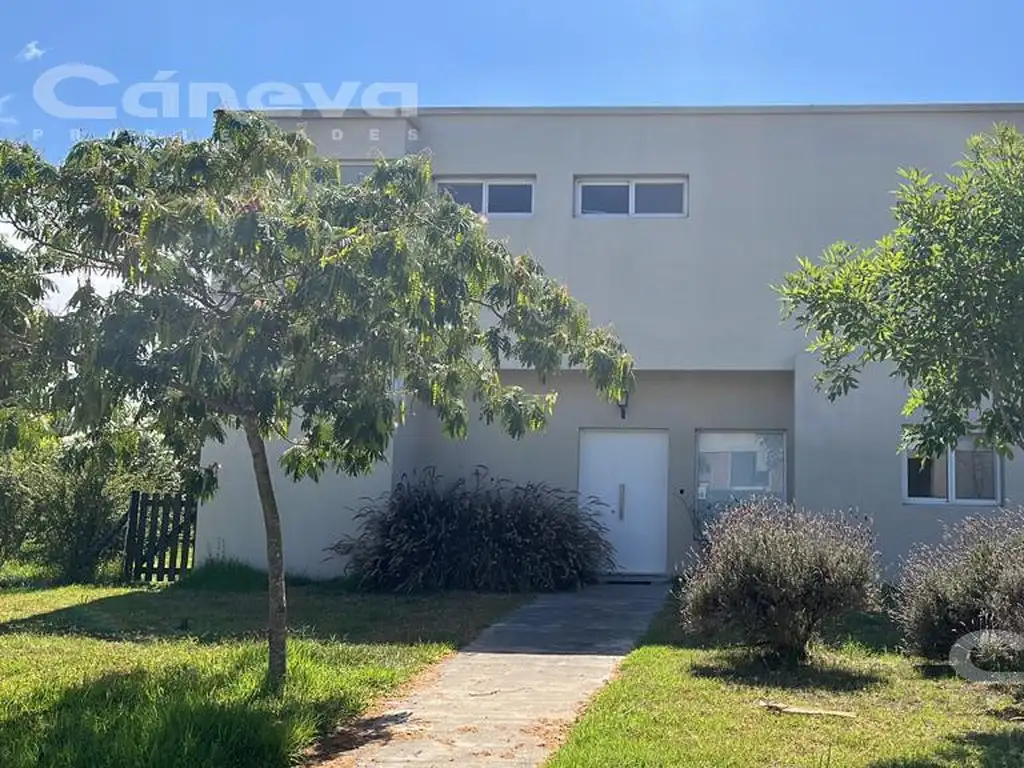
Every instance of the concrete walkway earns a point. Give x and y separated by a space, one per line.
509 698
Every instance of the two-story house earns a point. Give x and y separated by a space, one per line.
671 224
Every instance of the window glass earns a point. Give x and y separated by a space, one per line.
927 478
465 193
509 197
975 473
604 199
658 197
731 465
353 174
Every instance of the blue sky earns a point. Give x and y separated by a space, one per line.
516 52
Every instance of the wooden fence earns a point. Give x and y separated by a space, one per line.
160 537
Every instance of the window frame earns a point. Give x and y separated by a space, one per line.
783 433
365 168
486 182
950 498
631 182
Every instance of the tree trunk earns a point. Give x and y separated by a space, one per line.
277 621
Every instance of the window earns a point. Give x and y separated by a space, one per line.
495 198
731 465
967 475
509 198
604 199
658 198
354 174
631 197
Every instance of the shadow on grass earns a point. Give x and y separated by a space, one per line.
935 670
178 717
746 668
873 631
981 748
316 612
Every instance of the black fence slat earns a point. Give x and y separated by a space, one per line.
172 566
160 554
140 537
130 543
159 537
187 535
152 537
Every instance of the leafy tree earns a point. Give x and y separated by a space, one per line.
940 298
24 373
260 292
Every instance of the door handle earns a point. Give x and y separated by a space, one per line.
622 501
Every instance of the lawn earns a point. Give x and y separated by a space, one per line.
98 677
677 704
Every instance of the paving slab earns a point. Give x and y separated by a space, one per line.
509 698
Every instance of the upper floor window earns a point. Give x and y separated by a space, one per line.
354 174
969 474
501 197
654 196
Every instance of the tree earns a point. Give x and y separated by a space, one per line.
940 298
259 292
24 372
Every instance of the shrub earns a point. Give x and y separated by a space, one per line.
972 580
15 510
61 497
487 535
771 576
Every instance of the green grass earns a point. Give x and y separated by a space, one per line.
17 573
105 677
675 703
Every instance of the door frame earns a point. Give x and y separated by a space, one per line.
664 556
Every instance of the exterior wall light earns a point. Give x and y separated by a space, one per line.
623 403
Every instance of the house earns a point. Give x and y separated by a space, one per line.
671 224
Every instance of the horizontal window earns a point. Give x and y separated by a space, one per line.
969 474
604 199
659 198
353 174
732 465
493 197
631 197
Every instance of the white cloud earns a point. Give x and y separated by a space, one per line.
8 233
6 119
31 51
65 285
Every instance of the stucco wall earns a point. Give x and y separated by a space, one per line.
847 458
692 293
765 186
685 294
681 402
314 515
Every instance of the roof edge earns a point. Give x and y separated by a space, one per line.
767 109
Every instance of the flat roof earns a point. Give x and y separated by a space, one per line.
781 109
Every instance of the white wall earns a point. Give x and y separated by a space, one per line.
766 186
314 515
692 294
681 402
846 458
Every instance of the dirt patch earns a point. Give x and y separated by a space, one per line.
550 734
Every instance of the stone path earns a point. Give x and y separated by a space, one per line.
508 699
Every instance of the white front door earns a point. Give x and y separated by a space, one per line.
628 471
